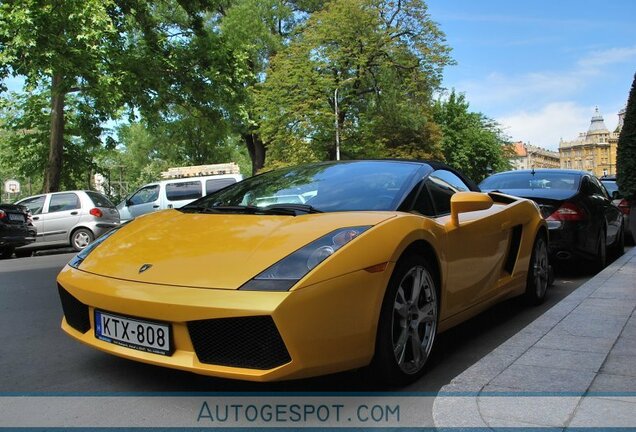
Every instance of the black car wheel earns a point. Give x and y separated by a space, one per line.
6 252
23 254
538 272
600 261
408 323
618 248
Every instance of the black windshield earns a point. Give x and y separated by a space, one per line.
322 187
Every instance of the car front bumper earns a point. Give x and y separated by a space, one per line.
325 328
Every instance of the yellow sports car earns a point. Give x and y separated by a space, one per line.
306 271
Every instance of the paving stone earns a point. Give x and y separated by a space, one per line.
555 340
608 306
514 425
542 379
585 325
605 382
539 410
559 358
482 372
625 346
620 365
457 412
604 413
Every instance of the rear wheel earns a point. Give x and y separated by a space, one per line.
538 272
81 238
408 323
618 248
600 261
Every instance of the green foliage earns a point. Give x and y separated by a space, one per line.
472 143
383 59
626 152
25 138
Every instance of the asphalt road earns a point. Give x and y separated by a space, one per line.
36 356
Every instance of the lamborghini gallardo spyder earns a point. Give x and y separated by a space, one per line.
307 271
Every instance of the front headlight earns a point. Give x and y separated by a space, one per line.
81 255
284 274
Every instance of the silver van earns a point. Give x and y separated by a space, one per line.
174 193
73 218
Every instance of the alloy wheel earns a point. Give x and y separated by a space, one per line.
414 321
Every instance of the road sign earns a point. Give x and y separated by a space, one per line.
12 186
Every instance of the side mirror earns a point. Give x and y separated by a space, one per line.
464 202
616 195
129 203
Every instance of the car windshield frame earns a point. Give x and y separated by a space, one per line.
536 180
375 185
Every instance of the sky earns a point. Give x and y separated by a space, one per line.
541 67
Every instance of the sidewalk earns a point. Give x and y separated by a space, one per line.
574 366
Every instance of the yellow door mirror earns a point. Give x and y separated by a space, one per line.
464 202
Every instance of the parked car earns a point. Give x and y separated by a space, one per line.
582 220
380 258
617 198
14 229
173 193
73 218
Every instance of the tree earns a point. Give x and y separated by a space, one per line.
378 61
471 143
24 144
148 55
626 152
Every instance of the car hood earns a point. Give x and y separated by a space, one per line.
220 251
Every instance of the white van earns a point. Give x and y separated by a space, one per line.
174 193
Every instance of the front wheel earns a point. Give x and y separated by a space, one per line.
408 323
81 238
538 272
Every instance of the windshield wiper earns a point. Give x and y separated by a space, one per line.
297 208
274 209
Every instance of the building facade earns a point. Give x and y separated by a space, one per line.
593 151
527 156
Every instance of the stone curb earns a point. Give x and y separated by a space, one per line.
559 354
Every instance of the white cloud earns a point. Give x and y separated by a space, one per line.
500 91
608 57
546 126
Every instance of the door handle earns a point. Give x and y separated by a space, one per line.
155 206
36 217
74 213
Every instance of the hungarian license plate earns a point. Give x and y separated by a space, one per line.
148 336
16 217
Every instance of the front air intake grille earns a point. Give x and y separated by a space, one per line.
246 342
76 312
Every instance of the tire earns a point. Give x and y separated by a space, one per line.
600 261
618 248
5 253
408 323
81 238
539 272
23 254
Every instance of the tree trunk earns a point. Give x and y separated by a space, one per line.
53 172
256 149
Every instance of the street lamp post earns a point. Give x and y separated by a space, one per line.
337 115
337 120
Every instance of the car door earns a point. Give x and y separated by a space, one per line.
36 206
475 250
145 200
608 209
60 216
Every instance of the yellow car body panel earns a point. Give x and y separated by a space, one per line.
328 321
